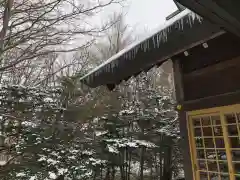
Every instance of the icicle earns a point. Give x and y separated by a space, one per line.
169 29
145 46
153 40
110 67
194 17
142 46
125 56
187 17
87 79
161 37
158 40
131 55
182 23
165 34
136 50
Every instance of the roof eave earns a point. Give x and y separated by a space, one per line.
221 12
183 34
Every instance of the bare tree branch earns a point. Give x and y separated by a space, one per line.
5 20
32 30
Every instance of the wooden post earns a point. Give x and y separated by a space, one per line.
179 92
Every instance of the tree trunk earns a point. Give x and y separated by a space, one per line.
160 165
129 165
126 166
61 177
101 173
107 177
122 166
151 170
2 130
156 167
167 172
113 173
95 175
142 163
122 172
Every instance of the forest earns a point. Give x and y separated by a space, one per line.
52 126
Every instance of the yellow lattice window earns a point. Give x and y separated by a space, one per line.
214 136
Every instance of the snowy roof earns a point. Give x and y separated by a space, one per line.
182 32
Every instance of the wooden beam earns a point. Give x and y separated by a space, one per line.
213 68
178 81
213 101
215 13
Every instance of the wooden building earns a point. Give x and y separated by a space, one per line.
205 52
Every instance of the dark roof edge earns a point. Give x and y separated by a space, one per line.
132 46
108 72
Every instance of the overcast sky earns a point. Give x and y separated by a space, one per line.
142 15
149 13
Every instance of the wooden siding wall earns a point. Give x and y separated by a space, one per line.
214 80
203 75
211 71
222 48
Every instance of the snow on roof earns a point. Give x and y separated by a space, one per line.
143 43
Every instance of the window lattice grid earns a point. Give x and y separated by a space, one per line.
216 144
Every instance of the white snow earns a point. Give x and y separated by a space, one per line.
85 175
146 143
212 156
100 133
61 171
88 152
223 157
132 144
28 124
96 119
72 157
43 158
33 178
52 161
48 100
112 149
180 175
84 126
54 153
52 175
95 162
2 163
74 151
21 174
124 142
126 112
